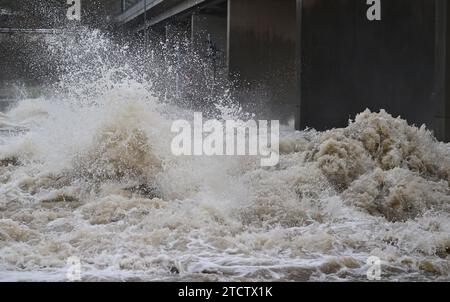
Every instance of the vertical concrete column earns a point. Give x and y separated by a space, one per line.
209 39
442 71
443 23
298 64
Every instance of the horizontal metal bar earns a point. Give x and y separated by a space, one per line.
30 31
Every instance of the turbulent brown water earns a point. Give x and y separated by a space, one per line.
92 176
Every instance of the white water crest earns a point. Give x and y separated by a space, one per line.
86 171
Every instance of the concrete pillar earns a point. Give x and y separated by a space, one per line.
262 43
209 31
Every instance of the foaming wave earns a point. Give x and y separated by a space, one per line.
90 174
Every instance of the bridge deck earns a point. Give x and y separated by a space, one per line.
29 31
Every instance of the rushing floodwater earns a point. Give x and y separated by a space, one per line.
88 172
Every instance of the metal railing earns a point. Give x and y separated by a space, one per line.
127 4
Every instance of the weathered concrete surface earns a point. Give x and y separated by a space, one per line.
443 70
350 63
262 41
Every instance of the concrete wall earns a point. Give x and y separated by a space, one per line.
350 63
210 31
444 72
209 39
262 41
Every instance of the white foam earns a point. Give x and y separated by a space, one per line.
92 176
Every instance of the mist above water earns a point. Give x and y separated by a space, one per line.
86 171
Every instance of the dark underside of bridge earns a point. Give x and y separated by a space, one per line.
318 61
